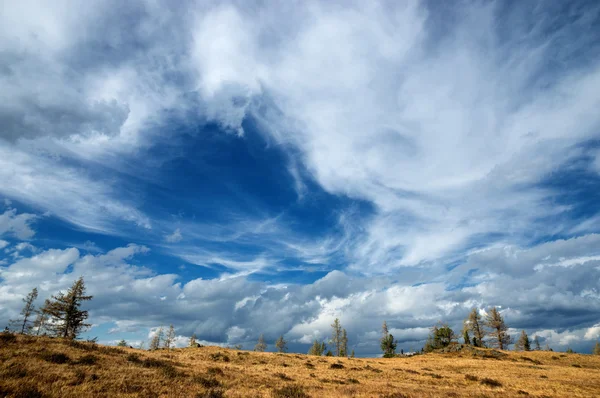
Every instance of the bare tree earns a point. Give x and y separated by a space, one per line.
68 320
536 342
499 331
170 337
261 345
24 322
193 342
42 318
336 336
156 339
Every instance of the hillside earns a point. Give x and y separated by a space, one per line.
46 367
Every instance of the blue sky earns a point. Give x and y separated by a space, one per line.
238 168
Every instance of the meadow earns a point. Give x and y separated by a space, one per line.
52 367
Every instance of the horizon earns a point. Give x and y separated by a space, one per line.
238 169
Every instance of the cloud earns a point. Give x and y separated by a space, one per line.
174 237
17 224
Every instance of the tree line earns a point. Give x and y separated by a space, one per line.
61 316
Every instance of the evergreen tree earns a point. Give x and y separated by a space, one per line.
596 350
261 346
387 343
344 344
193 340
466 337
352 353
536 343
499 331
523 343
170 337
440 336
336 337
547 348
122 343
42 318
68 321
24 323
317 348
570 351
281 344
156 339
474 324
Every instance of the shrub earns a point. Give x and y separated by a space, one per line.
283 376
7 338
55 357
220 357
293 391
491 382
576 365
471 377
88 360
212 393
395 395
213 370
336 366
353 381
207 382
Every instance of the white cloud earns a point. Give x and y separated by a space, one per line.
17 224
174 237
3 244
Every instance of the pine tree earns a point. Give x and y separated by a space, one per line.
387 343
261 346
440 336
499 331
193 340
68 321
536 342
336 337
156 339
317 348
352 354
170 337
466 337
122 343
42 318
281 344
523 343
24 323
344 344
596 350
474 324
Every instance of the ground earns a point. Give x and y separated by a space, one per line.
47 367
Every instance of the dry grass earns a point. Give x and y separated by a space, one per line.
44 367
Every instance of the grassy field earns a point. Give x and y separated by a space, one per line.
45 367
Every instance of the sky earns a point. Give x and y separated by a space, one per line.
244 168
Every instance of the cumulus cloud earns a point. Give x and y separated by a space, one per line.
17 224
174 237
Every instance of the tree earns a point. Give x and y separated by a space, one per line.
28 310
466 337
387 343
122 343
42 318
261 346
570 351
193 340
281 344
352 354
156 339
68 321
336 337
499 331
523 343
170 337
440 336
474 324
596 350
536 342
344 344
317 348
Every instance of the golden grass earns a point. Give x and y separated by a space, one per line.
44 367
